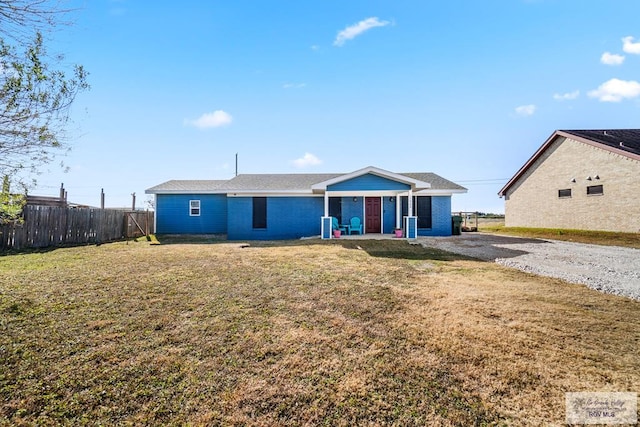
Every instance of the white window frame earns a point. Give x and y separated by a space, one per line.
193 205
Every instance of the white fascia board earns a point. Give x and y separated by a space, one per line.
363 193
290 193
185 191
321 186
438 192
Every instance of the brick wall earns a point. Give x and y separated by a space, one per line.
533 201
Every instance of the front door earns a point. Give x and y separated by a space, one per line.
372 210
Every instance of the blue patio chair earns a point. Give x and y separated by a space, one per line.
335 225
355 226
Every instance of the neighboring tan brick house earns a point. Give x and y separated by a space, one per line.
579 179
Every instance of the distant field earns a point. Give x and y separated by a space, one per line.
299 333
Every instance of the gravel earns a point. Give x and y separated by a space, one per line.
608 269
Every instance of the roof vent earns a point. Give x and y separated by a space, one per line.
621 144
605 133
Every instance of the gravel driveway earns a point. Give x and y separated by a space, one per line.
610 269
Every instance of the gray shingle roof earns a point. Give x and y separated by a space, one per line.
278 182
182 186
437 182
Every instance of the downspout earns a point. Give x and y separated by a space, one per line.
155 213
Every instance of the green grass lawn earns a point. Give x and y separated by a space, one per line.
299 333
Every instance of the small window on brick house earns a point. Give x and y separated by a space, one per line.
566 192
594 190
194 207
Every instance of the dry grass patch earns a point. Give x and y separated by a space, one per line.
299 333
606 238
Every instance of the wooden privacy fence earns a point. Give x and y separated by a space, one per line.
45 226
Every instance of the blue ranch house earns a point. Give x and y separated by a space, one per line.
291 206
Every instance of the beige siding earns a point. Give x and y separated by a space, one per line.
533 201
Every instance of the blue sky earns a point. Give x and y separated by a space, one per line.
466 89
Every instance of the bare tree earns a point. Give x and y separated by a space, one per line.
21 18
36 90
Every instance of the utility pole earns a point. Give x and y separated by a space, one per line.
133 201
236 164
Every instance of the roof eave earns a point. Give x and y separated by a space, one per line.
267 192
548 142
415 184
440 192
599 145
152 191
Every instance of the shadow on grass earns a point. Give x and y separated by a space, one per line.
191 239
399 249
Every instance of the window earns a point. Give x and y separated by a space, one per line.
593 190
194 207
564 193
259 212
421 209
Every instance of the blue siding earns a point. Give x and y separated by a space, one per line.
327 227
368 182
287 218
389 215
440 217
411 227
172 214
351 209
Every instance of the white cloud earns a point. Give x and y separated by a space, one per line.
611 59
615 90
211 120
526 110
355 30
293 85
566 96
307 160
315 47
629 46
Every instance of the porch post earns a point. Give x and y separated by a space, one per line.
411 227
325 221
411 231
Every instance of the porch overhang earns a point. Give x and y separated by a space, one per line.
414 184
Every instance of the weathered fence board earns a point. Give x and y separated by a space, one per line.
45 226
